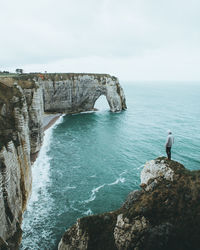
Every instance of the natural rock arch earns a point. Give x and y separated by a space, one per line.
79 92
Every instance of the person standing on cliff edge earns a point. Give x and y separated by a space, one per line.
168 145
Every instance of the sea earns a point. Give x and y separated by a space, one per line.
90 162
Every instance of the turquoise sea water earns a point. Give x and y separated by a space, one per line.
90 162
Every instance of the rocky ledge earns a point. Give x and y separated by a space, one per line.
163 214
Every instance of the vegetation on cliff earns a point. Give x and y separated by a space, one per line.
52 76
164 214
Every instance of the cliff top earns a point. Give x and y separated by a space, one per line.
10 78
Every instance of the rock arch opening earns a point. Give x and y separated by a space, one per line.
101 103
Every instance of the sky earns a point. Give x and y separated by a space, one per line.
132 39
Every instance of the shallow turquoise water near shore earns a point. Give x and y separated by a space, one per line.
90 162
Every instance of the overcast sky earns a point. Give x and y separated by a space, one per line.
132 39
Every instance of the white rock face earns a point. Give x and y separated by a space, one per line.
125 232
11 197
15 165
79 93
34 98
152 170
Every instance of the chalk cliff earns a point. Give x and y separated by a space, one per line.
23 100
15 171
72 93
164 214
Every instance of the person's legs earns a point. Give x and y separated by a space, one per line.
169 157
168 151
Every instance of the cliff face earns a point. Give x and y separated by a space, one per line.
70 93
164 214
34 99
15 171
23 100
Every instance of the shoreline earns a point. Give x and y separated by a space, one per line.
48 121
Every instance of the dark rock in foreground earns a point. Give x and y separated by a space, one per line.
164 214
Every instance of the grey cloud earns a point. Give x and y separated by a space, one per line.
47 30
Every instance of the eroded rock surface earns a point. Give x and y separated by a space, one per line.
164 214
153 170
70 93
15 165
127 233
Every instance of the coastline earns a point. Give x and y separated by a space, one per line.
48 121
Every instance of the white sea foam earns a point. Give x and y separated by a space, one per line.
119 180
40 168
125 172
94 191
35 212
69 187
97 189
140 167
75 167
85 112
74 208
93 176
88 212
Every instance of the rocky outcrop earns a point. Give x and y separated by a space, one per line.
23 100
164 214
70 93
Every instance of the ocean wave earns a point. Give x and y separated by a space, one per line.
75 167
75 209
124 172
96 190
87 112
140 167
93 176
84 112
40 168
60 120
121 179
70 187
88 212
93 196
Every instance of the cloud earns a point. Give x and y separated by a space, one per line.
49 32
